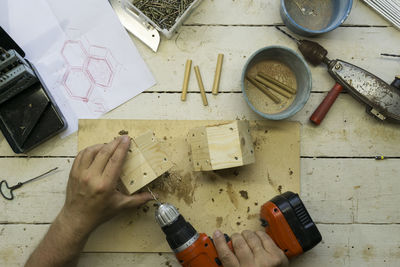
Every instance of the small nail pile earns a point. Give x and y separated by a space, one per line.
164 13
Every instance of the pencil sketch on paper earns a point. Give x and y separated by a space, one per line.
89 68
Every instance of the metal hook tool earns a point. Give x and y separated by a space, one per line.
10 196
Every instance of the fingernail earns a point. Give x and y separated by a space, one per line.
217 234
126 139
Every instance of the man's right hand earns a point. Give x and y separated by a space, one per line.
251 249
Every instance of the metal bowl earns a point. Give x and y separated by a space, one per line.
313 17
294 63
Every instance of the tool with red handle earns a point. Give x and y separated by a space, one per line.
382 99
284 217
319 114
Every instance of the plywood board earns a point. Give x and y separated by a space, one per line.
209 200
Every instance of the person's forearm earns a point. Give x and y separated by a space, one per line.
61 245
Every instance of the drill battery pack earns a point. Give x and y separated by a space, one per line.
289 224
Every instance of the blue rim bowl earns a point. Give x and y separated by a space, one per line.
341 12
298 66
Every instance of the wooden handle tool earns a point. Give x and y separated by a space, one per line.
319 114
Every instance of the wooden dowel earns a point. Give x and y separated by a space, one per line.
201 86
217 76
273 86
186 79
263 89
278 83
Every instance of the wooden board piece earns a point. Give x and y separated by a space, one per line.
215 193
216 147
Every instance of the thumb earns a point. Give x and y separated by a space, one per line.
136 200
224 253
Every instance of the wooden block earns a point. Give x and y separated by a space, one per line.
221 146
145 162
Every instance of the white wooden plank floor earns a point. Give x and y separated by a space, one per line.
352 197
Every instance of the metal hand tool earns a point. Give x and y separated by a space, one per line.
10 195
382 99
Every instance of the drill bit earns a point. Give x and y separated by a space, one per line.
288 35
154 196
389 55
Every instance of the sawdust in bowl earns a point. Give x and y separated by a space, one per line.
278 71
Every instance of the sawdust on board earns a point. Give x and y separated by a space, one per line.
219 221
176 182
278 71
232 195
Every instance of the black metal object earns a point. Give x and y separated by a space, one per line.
28 114
10 195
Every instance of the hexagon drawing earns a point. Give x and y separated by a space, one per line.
100 71
77 84
74 53
100 66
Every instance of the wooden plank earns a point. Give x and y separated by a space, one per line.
265 12
346 131
334 190
351 190
360 46
342 245
217 192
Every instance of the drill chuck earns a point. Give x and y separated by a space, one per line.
179 233
166 214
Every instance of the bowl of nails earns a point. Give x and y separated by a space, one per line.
276 82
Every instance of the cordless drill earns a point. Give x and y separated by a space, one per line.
284 217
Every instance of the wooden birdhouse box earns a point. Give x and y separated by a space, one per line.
145 162
221 146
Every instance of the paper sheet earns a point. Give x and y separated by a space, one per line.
81 51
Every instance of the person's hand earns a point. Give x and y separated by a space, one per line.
92 197
251 249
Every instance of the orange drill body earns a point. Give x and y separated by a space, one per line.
200 254
284 217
